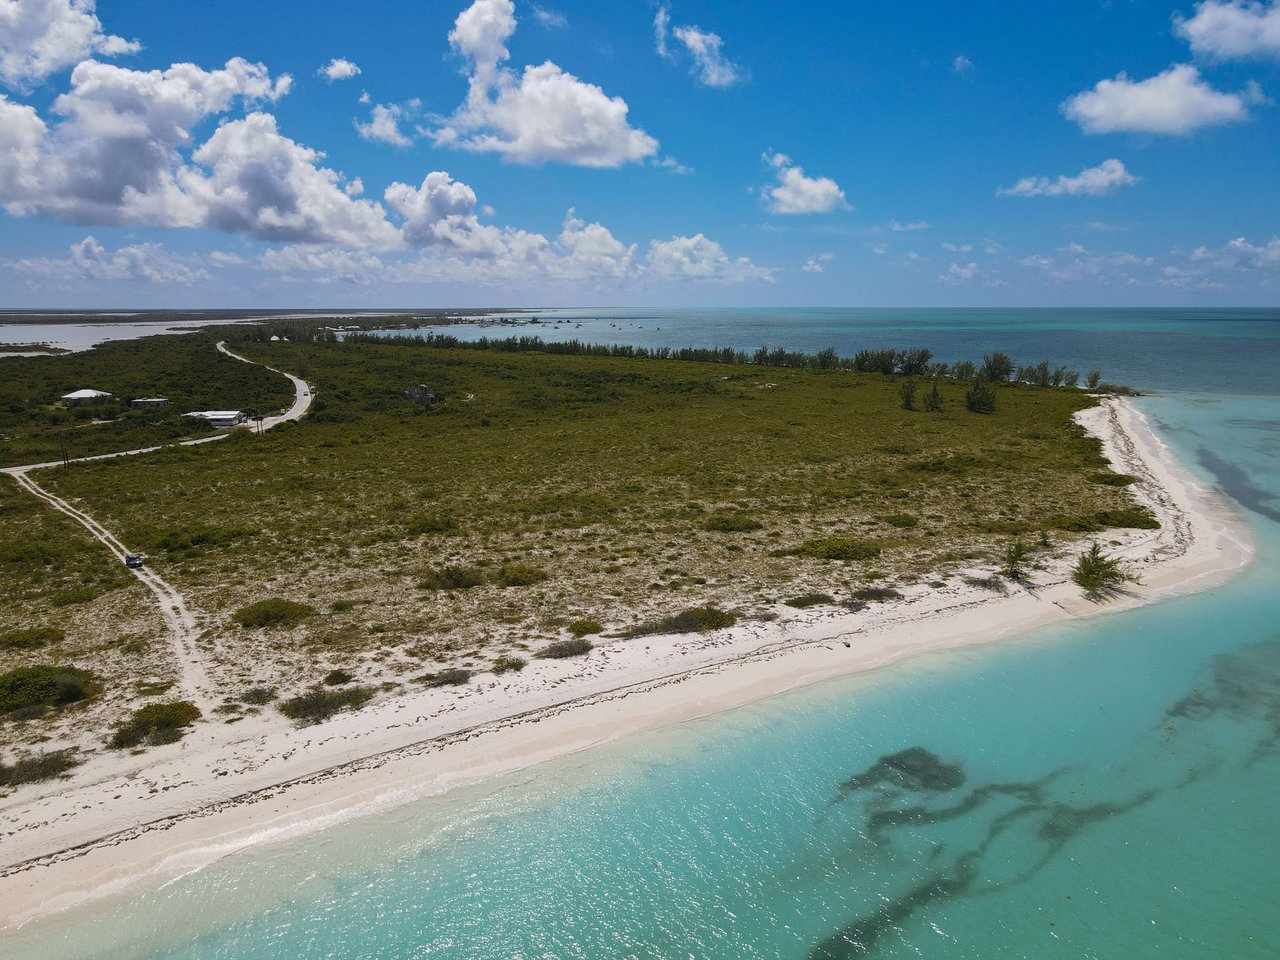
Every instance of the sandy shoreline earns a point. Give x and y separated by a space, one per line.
177 809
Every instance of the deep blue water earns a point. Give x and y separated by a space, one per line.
1102 789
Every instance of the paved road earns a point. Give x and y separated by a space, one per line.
183 628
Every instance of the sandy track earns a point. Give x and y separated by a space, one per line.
183 628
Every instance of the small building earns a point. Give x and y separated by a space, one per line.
85 396
149 403
220 418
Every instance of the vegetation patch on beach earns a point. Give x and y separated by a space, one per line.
34 767
320 703
156 724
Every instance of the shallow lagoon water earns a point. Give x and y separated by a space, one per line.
1102 789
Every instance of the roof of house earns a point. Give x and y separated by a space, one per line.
215 414
85 395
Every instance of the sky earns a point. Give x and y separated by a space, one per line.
633 153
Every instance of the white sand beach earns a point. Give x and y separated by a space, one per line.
122 823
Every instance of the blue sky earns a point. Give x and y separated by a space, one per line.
683 153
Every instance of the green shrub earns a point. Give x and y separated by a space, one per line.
273 612
933 399
343 605
585 628
46 686
807 600
36 767
1131 518
449 677
903 521
508 664
258 696
1015 556
563 649
319 704
730 522
452 578
155 724
191 537
1100 576
907 395
839 548
1108 479
431 523
336 678
876 594
980 397
992 583
520 575
74 595
693 620
31 638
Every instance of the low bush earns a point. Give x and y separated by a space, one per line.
992 583
838 548
155 724
903 521
46 685
319 704
1108 479
35 767
585 628
1100 576
452 578
73 595
258 696
273 612
980 397
508 664
806 600
31 638
520 575
693 620
1130 518
563 649
876 594
431 523
1015 558
450 677
336 678
729 522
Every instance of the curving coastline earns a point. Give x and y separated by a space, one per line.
211 798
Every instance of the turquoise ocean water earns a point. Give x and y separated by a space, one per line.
1105 789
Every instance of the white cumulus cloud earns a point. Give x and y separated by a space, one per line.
700 258
542 114
551 19
796 193
42 37
1174 102
339 69
1108 176
818 264
89 260
909 227
383 126
1232 29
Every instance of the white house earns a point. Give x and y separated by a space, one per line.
85 396
220 418
149 403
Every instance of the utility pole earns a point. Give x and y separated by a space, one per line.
66 461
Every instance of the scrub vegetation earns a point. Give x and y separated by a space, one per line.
446 507
35 427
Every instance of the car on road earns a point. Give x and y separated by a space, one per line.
133 561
